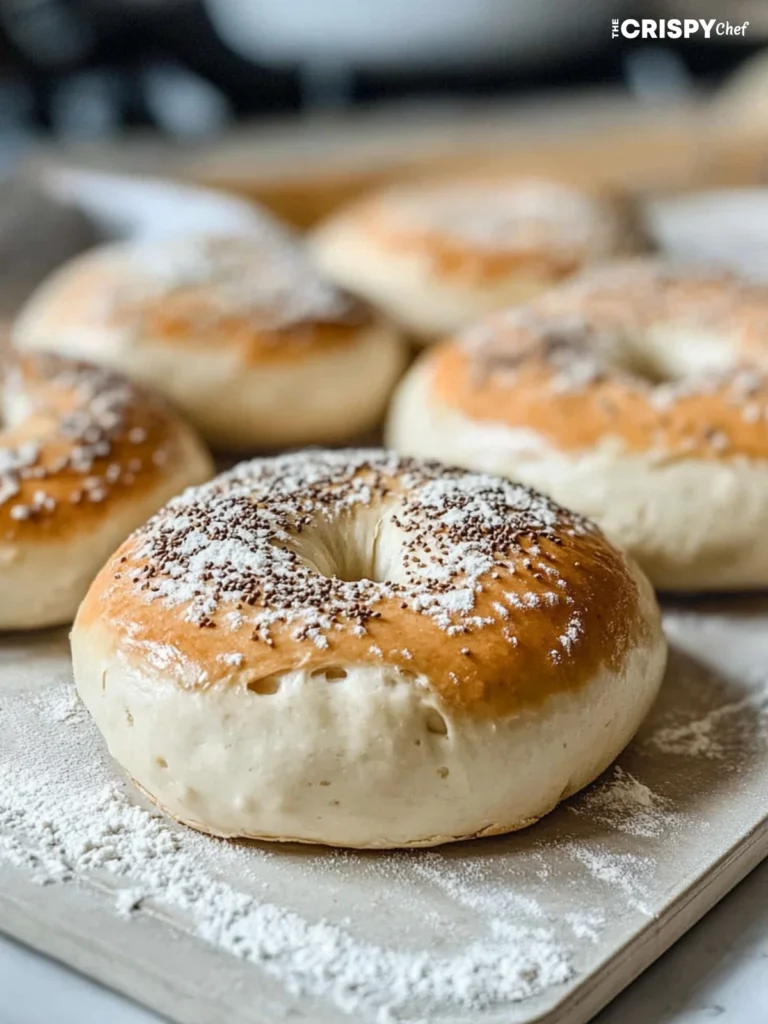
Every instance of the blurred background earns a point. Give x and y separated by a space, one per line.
191 68
303 103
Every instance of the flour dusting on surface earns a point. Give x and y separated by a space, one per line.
622 802
70 817
708 736
458 934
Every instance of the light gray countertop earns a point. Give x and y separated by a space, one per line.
718 971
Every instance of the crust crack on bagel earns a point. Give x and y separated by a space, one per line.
393 615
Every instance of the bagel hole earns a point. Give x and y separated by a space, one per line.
347 547
660 359
645 365
435 723
331 674
265 686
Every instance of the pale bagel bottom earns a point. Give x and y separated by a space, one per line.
369 760
693 524
314 397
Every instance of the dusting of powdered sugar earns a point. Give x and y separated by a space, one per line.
599 332
266 278
515 339
93 439
234 544
635 293
597 336
509 216
579 347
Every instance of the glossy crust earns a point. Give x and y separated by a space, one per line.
660 359
636 394
548 574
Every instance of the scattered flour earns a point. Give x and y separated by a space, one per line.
61 704
626 873
483 932
66 818
623 803
711 735
466 887
587 924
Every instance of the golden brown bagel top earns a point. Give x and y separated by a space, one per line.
484 591
634 295
75 441
577 366
256 294
482 229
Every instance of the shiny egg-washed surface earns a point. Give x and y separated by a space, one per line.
495 594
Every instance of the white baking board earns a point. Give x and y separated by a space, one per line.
601 890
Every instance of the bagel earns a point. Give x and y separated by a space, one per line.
635 396
437 255
360 650
239 331
84 458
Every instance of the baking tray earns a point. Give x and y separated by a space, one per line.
546 925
